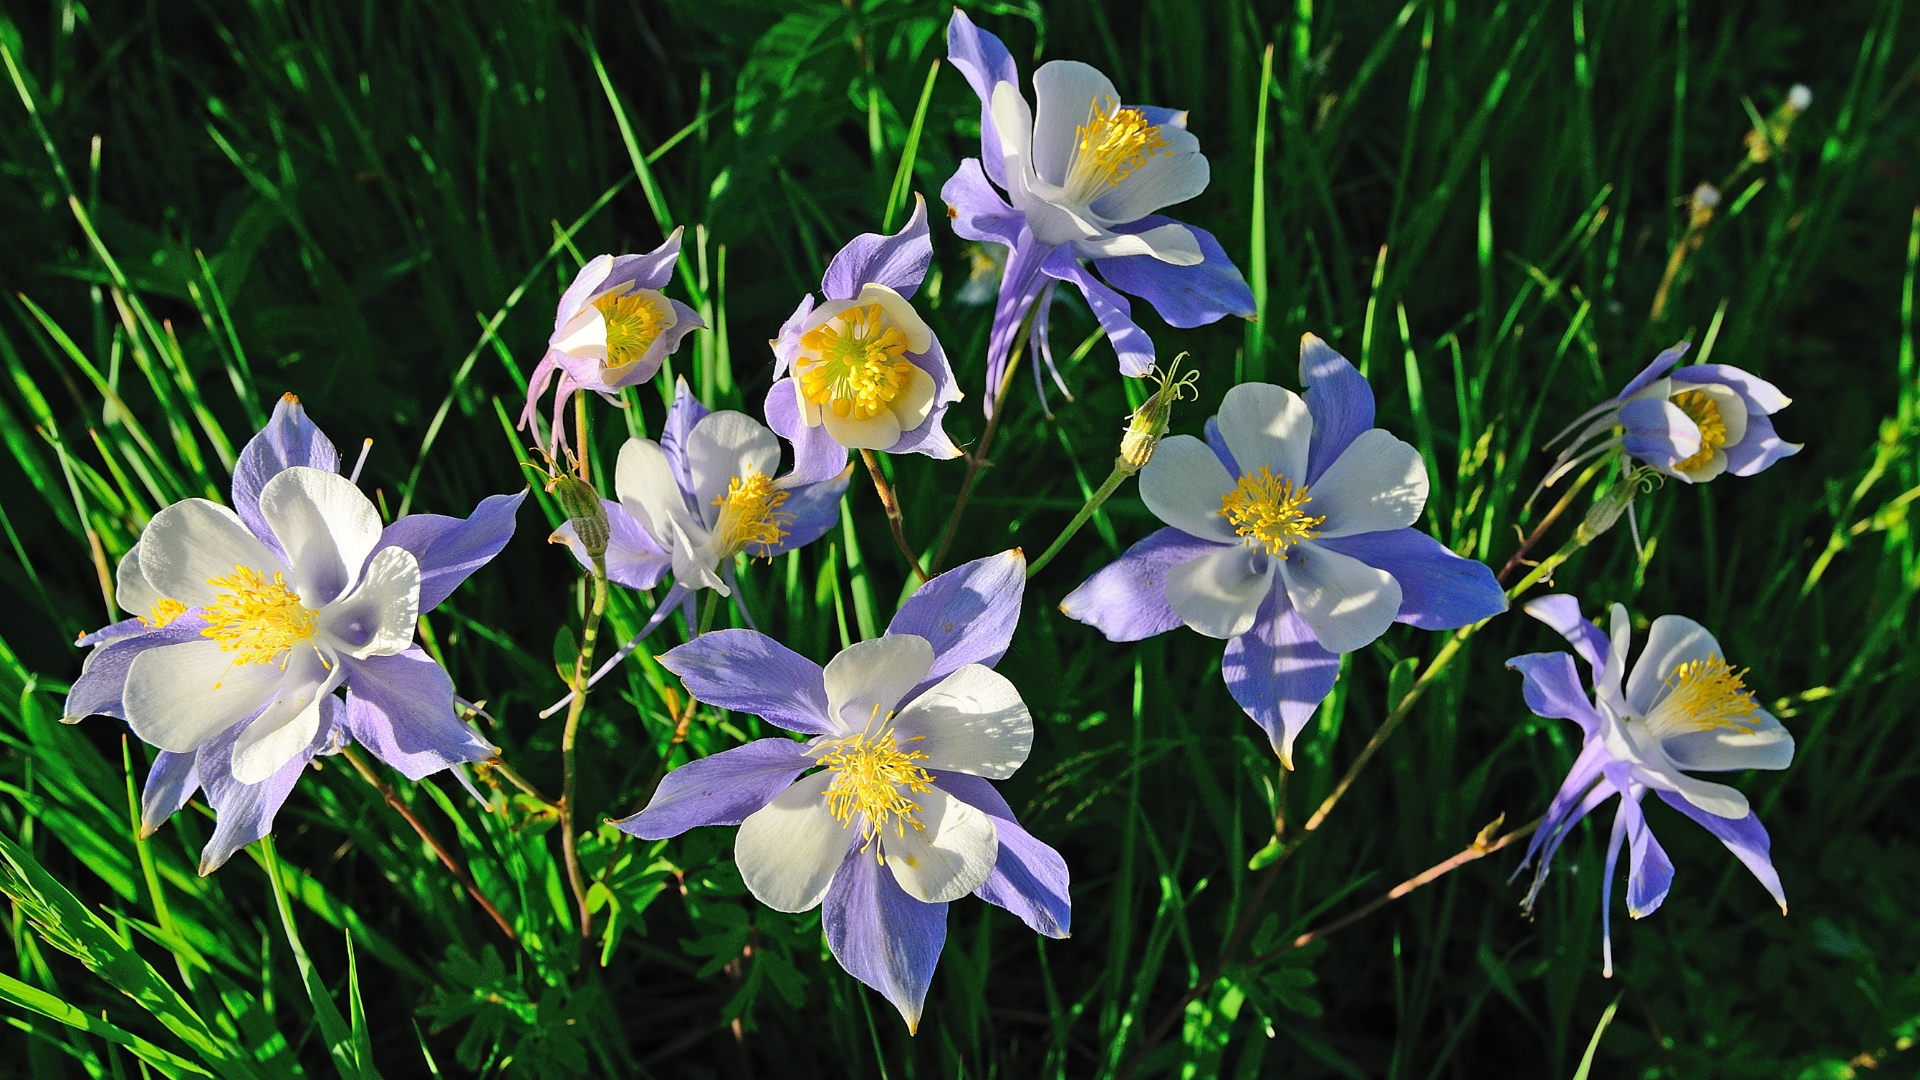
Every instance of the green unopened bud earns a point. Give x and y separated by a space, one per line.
1606 510
1149 422
581 503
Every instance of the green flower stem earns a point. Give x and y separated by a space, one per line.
895 520
1121 470
1579 483
977 458
582 667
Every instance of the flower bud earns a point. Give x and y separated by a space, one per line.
1606 510
1148 424
581 503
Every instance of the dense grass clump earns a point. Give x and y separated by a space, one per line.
1490 207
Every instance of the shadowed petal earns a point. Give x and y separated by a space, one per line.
816 457
1672 641
1183 485
1649 871
871 678
401 708
984 61
1339 400
1029 878
634 558
1219 593
967 614
289 439
899 261
1127 599
1279 673
1438 589
1347 602
170 783
1562 613
973 721
244 812
1658 433
1552 689
788 850
1761 447
101 688
1184 296
450 549
1660 366
719 790
747 671
949 856
879 934
1744 836
1134 347
976 211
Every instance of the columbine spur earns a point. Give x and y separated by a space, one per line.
906 730
1682 709
249 619
1086 176
1289 535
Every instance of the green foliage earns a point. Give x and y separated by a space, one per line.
1478 201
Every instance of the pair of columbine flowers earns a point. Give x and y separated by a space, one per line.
247 621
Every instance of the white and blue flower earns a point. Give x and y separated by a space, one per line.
1682 709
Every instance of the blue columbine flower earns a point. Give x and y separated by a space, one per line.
863 370
613 328
905 731
1086 176
1289 535
252 617
1682 709
1690 423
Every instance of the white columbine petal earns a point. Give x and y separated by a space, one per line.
1377 484
788 850
878 432
949 856
1767 746
131 590
193 541
724 446
1172 243
180 696
377 618
1672 641
1267 425
1183 485
972 721
327 527
289 724
1219 593
868 679
644 481
1067 91
1346 602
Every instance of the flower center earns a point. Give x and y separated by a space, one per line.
876 779
862 365
255 619
165 610
634 320
750 514
1268 511
1705 414
1707 694
1111 145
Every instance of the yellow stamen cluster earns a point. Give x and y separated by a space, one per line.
750 514
255 619
1269 511
634 320
862 365
876 779
1110 146
1707 694
1705 414
164 610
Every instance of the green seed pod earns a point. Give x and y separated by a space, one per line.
582 505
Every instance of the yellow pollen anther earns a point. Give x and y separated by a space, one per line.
750 514
634 320
255 619
876 779
862 365
1705 414
165 610
1707 694
1110 146
1268 511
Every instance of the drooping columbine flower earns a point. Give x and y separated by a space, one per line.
705 493
863 370
905 730
1086 176
613 328
252 617
1682 709
1691 423
1289 535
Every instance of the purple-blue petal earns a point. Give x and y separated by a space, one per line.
450 549
1278 672
1217 443
244 813
747 671
1759 448
882 936
681 417
816 457
103 680
1127 599
1029 878
1649 870
1020 285
899 261
1760 395
1551 687
112 632
1660 366
649 271
1338 399
1131 343
967 614
289 439
1584 789
978 212
633 558
1438 589
1745 837
401 708
930 437
984 60
170 783
1657 432
1185 296
1562 612
815 509
719 790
